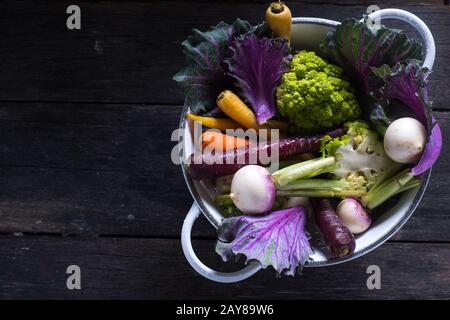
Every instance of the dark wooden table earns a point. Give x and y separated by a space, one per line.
85 173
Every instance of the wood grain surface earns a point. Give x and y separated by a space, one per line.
85 173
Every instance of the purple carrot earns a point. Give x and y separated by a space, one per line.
338 238
211 165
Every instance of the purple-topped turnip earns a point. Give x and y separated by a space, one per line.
253 190
353 215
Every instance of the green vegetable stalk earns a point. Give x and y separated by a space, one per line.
303 170
383 190
323 188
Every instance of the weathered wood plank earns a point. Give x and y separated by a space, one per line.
129 52
35 267
106 169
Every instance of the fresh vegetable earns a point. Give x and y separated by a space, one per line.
278 239
236 109
358 49
361 155
358 164
388 186
389 62
207 74
279 18
337 236
354 160
409 85
249 186
405 139
211 165
217 123
257 65
246 73
432 149
353 215
314 95
303 170
352 186
252 189
222 142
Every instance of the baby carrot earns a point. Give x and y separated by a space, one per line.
279 18
215 123
236 109
222 142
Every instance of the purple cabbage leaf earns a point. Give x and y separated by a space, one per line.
278 239
207 74
357 48
257 65
409 85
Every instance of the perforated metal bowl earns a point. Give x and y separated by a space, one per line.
307 33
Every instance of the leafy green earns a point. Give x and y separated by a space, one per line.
409 85
257 65
358 48
207 74
278 239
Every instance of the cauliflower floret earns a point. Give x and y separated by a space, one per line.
314 96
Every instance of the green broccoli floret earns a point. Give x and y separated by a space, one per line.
314 96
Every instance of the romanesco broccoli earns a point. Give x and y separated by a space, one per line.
314 96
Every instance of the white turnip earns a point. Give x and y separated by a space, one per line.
405 140
253 190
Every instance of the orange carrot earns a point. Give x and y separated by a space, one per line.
222 142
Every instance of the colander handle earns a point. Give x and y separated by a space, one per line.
200 267
418 24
